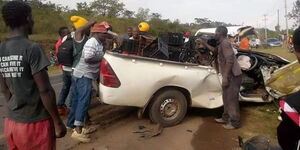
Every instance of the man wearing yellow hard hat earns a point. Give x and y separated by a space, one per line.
82 31
82 27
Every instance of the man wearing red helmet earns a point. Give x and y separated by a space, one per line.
84 73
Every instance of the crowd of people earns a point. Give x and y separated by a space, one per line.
33 119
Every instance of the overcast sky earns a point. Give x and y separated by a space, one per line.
243 12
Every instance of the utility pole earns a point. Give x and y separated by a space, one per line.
286 19
278 18
266 29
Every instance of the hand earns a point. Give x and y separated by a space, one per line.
60 129
225 82
200 41
92 22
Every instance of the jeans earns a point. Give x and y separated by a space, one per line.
66 90
81 101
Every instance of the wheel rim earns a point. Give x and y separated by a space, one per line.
169 109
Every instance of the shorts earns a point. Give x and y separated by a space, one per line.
30 136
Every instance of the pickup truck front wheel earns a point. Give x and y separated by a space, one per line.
168 108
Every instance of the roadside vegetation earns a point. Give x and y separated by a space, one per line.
49 17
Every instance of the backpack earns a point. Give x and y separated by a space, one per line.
65 52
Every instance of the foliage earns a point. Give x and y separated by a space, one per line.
128 14
108 8
49 17
143 14
295 13
207 23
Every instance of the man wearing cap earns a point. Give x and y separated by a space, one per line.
84 73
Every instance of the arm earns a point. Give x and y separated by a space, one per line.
93 52
49 100
79 34
38 63
206 45
4 88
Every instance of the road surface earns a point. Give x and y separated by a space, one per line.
119 129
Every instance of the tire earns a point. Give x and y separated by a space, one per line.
168 108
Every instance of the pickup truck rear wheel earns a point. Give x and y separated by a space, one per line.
168 108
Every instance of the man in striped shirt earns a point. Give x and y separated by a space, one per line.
84 73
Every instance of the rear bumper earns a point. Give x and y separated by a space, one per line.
121 96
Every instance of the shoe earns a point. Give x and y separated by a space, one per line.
220 120
81 137
63 110
88 130
229 127
69 128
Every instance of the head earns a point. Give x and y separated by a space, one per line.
187 34
79 22
296 42
135 33
99 31
17 16
63 31
221 33
129 31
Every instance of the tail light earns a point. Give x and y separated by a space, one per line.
107 75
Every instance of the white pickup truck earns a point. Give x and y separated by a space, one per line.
166 88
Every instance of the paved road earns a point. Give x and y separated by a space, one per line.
56 82
101 114
115 123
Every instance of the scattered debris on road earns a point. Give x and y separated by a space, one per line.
147 133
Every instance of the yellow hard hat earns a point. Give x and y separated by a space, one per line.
78 21
144 27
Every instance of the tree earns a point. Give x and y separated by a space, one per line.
207 23
84 9
155 16
108 8
295 13
128 14
143 14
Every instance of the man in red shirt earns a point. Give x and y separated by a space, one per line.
67 78
62 32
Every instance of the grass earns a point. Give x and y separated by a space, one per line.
283 52
259 119
36 37
262 119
